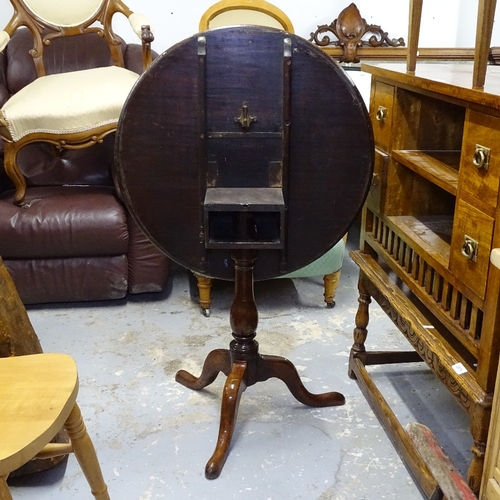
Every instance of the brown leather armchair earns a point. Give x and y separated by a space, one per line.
73 240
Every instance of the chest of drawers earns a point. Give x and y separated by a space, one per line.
428 227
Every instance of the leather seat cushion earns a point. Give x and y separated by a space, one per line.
63 221
39 281
68 103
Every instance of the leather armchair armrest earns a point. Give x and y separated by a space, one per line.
133 57
4 91
4 96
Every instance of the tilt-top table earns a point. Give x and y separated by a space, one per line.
244 152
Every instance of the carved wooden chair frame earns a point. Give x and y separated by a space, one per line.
256 5
43 32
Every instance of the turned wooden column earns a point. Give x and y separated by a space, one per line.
484 30
243 315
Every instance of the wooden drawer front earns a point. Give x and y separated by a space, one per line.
483 130
381 111
493 475
471 222
375 195
492 489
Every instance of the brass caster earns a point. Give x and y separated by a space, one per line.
330 305
206 312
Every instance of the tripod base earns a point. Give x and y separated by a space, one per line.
258 368
243 365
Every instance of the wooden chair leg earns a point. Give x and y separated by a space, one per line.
12 170
204 286
85 454
4 489
331 282
484 30
413 35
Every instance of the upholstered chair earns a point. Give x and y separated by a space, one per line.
70 109
64 233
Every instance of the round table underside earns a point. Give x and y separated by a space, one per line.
168 132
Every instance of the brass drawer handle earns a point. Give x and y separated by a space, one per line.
469 248
481 158
381 114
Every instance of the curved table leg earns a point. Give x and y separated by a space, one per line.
244 366
219 360
233 389
282 368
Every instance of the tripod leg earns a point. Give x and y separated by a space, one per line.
233 389
275 366
217 361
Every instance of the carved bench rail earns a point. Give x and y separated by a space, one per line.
356 39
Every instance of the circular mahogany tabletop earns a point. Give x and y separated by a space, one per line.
196 88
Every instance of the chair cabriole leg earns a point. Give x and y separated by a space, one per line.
12 170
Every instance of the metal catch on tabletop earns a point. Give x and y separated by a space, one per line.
245 119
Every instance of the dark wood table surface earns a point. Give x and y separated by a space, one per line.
167 147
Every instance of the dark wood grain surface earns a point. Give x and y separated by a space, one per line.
178 127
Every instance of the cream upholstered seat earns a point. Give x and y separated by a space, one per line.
74 109
263 13
72 102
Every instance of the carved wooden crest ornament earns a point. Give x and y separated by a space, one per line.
350 28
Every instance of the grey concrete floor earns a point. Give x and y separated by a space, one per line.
153 436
